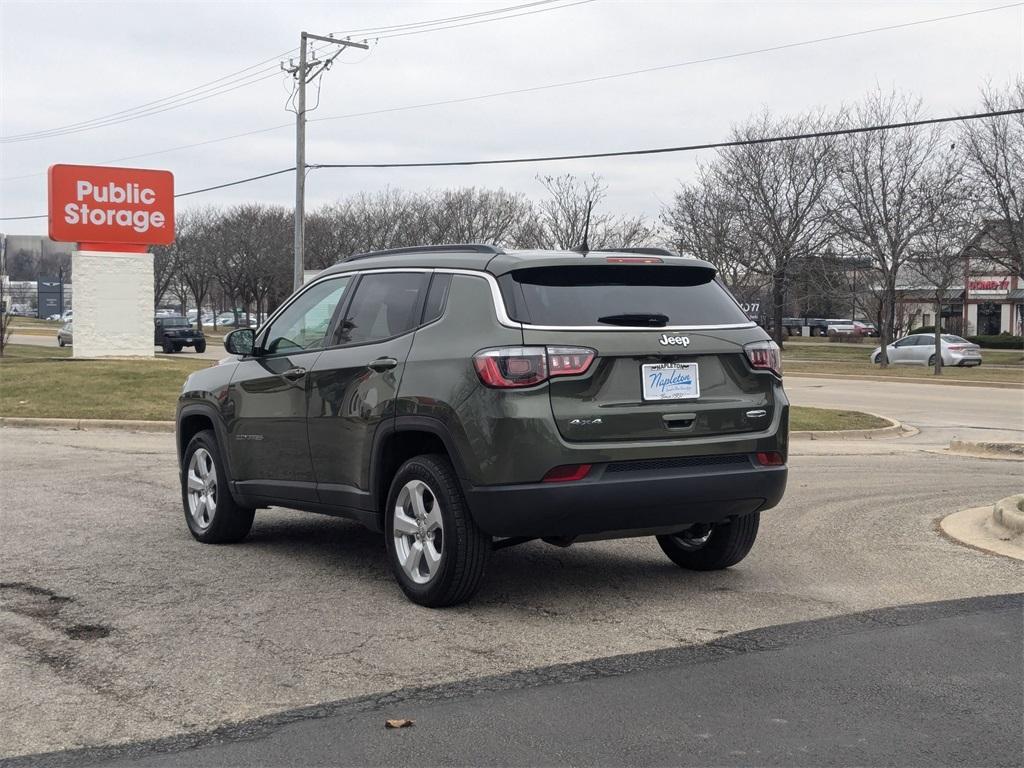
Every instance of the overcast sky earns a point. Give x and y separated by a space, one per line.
63 63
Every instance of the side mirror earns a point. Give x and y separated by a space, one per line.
240 341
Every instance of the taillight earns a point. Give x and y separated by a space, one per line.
512 367
567 473
958 346
765 356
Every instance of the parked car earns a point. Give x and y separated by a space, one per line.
64 335
841 327
461 399
919 349
866 329
174 332
228 320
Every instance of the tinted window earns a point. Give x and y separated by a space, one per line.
384 305
303 325
581 295
954 339
175 322
436 296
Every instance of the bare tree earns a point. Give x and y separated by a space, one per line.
882 180
165 259
471 215
5 313
706 221
562 217
198 244
995 153
952 222
780 188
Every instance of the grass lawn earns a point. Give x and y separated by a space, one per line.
803 419
860 353
45 382
914 372
48 383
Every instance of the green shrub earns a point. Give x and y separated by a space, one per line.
1002 341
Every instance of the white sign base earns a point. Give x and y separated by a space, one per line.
113 304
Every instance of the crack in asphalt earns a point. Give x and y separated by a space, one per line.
752 641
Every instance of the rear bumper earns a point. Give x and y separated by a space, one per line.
628 503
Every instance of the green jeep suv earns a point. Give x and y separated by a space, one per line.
460 399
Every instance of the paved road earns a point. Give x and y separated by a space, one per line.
943 412
938 684
214 349
116 626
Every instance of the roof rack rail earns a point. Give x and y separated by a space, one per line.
491 250
644 251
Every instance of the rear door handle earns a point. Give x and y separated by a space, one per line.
383 364
293 374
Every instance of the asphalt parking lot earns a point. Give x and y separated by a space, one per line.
116 626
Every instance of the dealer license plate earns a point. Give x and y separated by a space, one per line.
670 381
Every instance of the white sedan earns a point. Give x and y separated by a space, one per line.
919 349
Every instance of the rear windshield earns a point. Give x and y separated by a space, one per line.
954 339
613 296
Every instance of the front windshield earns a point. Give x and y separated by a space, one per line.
175 322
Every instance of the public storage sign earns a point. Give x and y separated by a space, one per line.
98 206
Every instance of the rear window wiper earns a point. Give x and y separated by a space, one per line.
641 319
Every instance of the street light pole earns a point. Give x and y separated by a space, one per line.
305 72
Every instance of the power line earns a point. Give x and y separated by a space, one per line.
238 79
474 23
622 153
563 84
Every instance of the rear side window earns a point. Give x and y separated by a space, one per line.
436 297
605 295
384 306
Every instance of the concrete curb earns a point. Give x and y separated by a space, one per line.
976 528
1009 514
1011 451
894 429
127 425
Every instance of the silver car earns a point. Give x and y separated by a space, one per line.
64 336
919 349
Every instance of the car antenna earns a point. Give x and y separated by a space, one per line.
585 246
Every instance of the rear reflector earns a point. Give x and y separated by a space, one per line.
567 473
770 459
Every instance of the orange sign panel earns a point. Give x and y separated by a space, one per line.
98 205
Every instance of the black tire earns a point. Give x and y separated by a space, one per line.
229 522
200 347
931 361
178 347
465 549
727 544
877 358
60 342
167 346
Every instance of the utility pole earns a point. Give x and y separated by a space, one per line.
305 72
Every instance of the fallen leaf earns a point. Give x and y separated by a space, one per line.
398 723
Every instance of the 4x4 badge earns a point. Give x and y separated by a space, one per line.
667 340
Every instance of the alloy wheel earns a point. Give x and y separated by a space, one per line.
202 488
418 531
